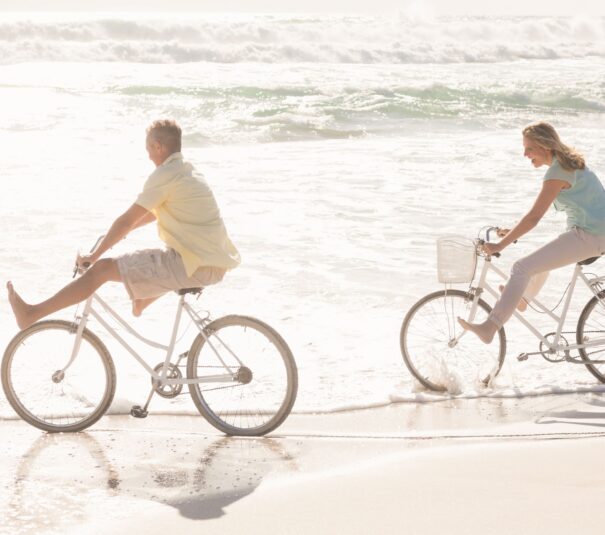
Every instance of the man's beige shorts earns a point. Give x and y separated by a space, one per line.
154 272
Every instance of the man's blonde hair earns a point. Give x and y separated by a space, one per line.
166 132
546 137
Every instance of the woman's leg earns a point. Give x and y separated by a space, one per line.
570 247
533 288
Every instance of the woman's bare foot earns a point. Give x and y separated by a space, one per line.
485 331
521 306
138 305
21 310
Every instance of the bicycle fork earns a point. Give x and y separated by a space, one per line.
79 325
474 295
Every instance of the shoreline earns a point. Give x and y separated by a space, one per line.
373 470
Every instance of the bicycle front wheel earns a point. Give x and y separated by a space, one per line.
46 389
437 355
247 376
591 328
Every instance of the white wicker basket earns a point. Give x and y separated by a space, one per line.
456 259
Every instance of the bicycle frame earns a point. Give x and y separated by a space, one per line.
160 376
555 345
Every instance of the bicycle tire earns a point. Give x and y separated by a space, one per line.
589 321
430 359
32 401
215 403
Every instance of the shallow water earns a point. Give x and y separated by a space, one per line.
336 166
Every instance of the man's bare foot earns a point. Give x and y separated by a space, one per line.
138 305
21 310
521 306
485 331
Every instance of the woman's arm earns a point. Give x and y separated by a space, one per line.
548 193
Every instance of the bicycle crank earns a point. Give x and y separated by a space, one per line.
167 391
554 355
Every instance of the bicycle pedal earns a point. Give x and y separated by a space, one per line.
138 412
522 356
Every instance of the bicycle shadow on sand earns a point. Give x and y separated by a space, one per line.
577 417
66 480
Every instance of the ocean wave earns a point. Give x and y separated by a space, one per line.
393 101
326 39
294 113
250 113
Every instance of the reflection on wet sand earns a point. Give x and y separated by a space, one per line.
229 469
54 480
163 469
64 479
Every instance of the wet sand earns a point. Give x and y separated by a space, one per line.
466 466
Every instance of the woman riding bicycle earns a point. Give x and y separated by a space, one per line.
574 189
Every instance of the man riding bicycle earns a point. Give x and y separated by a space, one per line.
199 250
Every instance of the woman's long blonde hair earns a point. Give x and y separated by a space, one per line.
547 138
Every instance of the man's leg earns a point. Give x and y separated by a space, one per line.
80 289
138 305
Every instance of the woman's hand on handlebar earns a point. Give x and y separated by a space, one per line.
491 249
501 232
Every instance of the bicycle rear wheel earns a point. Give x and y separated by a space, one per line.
259 379
591 326
45 389
430 353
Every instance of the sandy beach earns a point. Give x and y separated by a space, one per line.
458 466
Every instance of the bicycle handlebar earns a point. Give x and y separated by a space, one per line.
86 265
487 240
491 229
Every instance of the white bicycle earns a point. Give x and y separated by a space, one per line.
59 376
436 350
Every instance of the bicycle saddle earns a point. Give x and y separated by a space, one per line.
184 291
588 261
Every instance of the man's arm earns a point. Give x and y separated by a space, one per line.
136 216
145 220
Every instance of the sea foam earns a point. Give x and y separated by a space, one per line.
283 39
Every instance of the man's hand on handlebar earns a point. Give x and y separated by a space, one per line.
83 262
